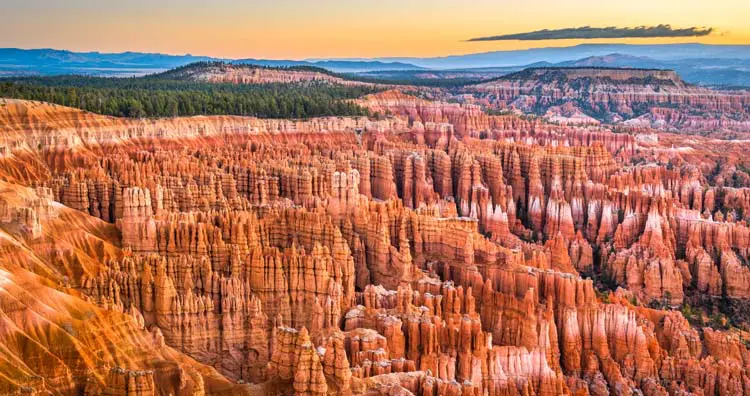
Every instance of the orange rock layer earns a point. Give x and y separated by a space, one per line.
439 251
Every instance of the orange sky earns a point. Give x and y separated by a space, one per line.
299 29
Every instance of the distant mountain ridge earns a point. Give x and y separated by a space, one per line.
598 74
342 66
712 65
716 72
243 73
561 54
15 61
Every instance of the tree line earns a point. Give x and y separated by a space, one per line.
158 97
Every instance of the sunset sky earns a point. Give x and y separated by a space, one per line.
297 29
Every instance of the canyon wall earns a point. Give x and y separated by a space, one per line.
631 97
435 250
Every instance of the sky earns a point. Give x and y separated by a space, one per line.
300 29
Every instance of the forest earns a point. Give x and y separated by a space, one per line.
156 96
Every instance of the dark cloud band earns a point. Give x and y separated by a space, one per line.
588 32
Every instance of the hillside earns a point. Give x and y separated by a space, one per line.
628 96
200 89
220 72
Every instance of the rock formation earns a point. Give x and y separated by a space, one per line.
639 98
251 74
438 250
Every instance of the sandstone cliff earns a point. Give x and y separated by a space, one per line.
437 251
632 97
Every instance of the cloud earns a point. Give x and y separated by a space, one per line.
588 32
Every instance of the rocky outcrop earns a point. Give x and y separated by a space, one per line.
251 74
633 97
125 382
439 251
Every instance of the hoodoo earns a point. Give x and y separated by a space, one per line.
236 229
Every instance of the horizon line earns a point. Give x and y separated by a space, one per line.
317 59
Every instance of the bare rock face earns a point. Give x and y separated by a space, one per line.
437 251
617 95
125 382
250 74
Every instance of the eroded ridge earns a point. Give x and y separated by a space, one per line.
641 98
434 251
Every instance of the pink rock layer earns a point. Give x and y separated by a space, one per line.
438 251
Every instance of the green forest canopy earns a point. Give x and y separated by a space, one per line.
157 96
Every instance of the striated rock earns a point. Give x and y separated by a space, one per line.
437 251
249 74
616 94
125 382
